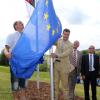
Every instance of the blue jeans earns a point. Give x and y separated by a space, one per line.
16 83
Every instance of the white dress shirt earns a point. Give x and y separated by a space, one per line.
92 66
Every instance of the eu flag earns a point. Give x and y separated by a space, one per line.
40 33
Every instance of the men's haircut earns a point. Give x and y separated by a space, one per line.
92 46
66 30
15 23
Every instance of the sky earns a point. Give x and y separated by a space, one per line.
82 17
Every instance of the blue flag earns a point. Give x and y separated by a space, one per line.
40 33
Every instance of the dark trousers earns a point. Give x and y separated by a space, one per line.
21 81
90 78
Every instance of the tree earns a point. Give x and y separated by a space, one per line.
84 52
3 60
44 67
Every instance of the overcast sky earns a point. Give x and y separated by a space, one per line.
82 17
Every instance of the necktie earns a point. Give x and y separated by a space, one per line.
90 63
74 58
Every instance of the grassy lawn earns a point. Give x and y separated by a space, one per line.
79 90
5 90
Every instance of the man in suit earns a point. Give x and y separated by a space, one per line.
76 61
62 65
89 71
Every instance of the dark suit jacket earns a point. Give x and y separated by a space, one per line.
85 64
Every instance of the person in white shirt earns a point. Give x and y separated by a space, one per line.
11 41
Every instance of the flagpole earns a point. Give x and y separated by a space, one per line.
29 15
38 78
51 75
38 71
28 10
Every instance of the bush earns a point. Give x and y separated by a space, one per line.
44 67
3 60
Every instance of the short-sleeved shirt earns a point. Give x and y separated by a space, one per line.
12 40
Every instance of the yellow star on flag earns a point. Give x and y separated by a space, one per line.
48 27
46 2
53 32
45 16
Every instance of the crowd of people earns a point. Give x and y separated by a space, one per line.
68 63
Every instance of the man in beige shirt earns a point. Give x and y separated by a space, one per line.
62 65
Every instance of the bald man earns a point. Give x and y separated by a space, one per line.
76 62
16 83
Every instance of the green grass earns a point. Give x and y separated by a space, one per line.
44 76
4 69
5 90
79 90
